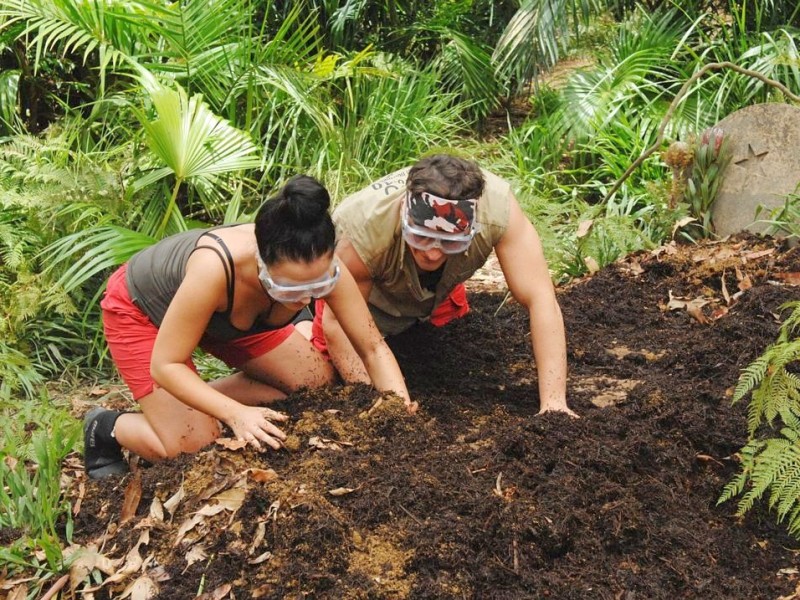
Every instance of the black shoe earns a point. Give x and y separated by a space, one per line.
102 454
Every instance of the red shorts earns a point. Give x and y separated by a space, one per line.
131 335
454 306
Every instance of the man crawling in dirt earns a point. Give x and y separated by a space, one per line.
412 238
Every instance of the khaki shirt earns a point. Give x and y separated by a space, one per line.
370 220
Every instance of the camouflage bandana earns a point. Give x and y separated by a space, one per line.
440 214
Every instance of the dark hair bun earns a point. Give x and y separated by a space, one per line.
295 224
302 202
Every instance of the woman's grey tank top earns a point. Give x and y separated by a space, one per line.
155 273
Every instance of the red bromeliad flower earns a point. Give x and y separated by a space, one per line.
713 133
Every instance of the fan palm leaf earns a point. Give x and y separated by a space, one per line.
192 143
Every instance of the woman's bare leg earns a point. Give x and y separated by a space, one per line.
166 426
293 365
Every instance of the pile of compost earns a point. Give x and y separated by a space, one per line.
477 496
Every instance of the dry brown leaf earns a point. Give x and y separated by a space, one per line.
260 558
133 494
150 523
695 310
172 503
261 531
262 475
693 307
7 584
341 491
498 489
725 293
583 228
682 223
217 594
591 265
156 509
142 588
76 506
745 283
668 249
186 527
88 560
19 592
233 480
634 267
792 278
230 500
719 312
195 554
231 443
11 462
133 560
98 391
759 254
322 443
619 352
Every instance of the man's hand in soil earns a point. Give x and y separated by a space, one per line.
253 424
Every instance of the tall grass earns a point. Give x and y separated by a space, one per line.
36 437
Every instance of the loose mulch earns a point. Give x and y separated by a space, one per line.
476 496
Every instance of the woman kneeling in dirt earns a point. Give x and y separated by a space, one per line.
233 291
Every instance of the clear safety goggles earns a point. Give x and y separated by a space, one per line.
291 294
422 238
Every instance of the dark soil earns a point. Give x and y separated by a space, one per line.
476 496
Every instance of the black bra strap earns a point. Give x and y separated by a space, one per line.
230 271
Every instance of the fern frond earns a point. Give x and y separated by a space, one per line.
769 466
737 485
751 376
792 322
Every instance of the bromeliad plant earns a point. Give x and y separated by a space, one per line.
712 155
697 171
770 462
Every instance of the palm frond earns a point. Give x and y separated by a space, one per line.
79 27
467 68
533 38
89 253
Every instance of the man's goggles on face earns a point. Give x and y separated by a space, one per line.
290 294
428 239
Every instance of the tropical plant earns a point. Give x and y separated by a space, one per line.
771 464
783 220
536 37
31 501
711 156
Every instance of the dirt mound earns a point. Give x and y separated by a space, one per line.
476 497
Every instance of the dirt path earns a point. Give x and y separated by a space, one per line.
475 497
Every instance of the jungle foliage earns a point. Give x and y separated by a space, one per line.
123 121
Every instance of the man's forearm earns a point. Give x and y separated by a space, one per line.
550 354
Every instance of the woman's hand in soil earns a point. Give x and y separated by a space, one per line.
412 407
560 408
253 424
